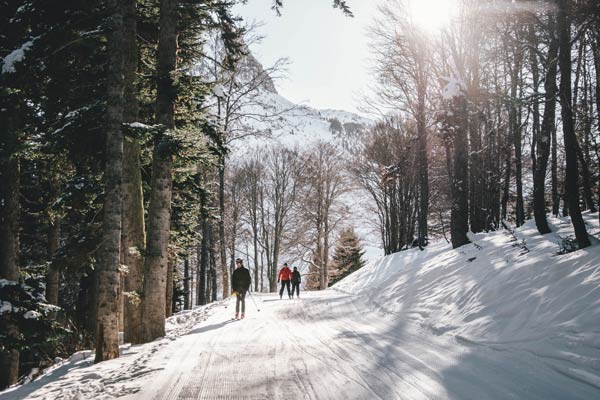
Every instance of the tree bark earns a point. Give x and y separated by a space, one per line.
222 243
203 261
169 290
459 214
543 140
507 177
570 140
596 56
133 235
554 162
159 210
108 270
9 239
423 165
586 179
186 284
517 138
53 277
476 184
477 213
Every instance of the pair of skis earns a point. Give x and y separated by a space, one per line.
253 301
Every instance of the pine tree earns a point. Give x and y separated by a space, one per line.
347 257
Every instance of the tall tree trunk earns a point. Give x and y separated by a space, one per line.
159 213
570 140
203 261
169 289
507 177
213 264
133 234
186 283
326 253
517 138
586 179
423 165
476 184
222 243
596 55
255 246
476 171
9 240
554 162
584 151
108 270
262 271
543 140
53 276
459 214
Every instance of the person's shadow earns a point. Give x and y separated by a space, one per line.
211 327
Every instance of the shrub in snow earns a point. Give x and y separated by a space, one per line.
567 244
22 303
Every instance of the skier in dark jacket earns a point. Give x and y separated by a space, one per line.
285 275
296 282
240 283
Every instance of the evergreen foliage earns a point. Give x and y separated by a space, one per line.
347 256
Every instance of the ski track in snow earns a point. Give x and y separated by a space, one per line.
331 345
328 345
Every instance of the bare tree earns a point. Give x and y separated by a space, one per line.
253 181
324 184
543 140
403 67
277 198
570 140
384 170
238 93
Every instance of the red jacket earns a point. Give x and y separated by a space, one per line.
285 274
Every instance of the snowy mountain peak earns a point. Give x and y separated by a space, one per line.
298 125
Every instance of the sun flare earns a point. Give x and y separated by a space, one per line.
432 15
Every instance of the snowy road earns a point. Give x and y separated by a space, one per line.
330 345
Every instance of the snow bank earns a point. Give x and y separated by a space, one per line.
502 290
79 378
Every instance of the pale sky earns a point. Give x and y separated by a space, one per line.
327 50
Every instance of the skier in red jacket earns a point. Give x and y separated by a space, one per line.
285 276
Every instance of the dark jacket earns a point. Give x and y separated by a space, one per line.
296 277
240 280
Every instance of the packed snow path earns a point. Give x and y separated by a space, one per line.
329 345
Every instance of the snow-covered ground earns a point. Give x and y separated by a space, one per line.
502 318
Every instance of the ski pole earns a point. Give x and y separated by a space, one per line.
252 297
228 301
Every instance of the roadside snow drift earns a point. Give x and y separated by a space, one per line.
508 290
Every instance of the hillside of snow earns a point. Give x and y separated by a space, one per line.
504 291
